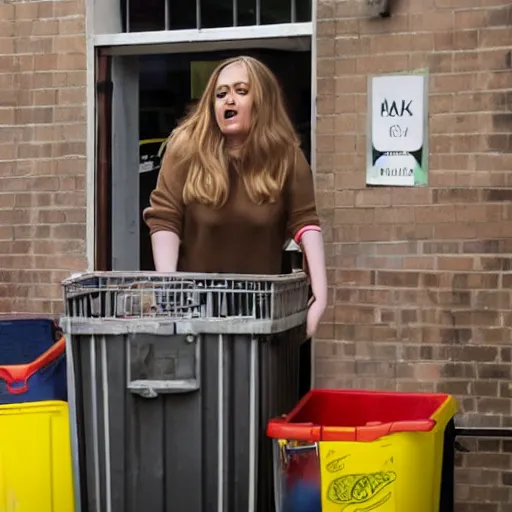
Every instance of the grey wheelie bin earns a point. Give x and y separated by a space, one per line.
172 379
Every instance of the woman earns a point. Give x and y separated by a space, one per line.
234 185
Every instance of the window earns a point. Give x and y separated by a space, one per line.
153 15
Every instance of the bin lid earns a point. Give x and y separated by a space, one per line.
360 415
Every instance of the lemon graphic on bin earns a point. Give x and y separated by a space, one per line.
361 490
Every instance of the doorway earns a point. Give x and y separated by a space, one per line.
170 83
141 99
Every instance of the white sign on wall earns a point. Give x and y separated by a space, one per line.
397 148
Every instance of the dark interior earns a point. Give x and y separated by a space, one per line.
165 94
356 409
150 15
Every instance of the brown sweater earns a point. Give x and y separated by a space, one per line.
240 237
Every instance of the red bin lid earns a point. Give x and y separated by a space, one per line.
354 415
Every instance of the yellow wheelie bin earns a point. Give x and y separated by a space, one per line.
355 451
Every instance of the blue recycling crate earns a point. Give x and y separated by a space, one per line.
32 360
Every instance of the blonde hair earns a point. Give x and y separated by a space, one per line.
266 157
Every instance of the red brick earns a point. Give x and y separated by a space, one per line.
430 264
455 263
419 275
434 214
38 95
375 233
373 197
382 63
418 263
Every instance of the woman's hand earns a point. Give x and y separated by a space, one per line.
315 312
313 246
166 246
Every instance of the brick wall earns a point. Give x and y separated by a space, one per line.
42 151
420 278
484 476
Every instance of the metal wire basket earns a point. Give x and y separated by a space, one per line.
185 296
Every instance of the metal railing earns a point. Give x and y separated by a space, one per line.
185 296
232 5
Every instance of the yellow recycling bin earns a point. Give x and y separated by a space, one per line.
361 451
35 458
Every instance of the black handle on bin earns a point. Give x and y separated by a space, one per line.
485 432
153 388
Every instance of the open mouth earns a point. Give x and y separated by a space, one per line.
228 114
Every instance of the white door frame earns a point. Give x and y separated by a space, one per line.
277 31
289 36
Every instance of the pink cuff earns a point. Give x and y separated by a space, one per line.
300 233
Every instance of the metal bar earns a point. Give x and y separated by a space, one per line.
198 14
95 427
253 422
498 432
103 257
220 434
258 12
290 450
73 414
293 9
127 15
167 15
106 421
235 13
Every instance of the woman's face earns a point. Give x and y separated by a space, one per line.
233 103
